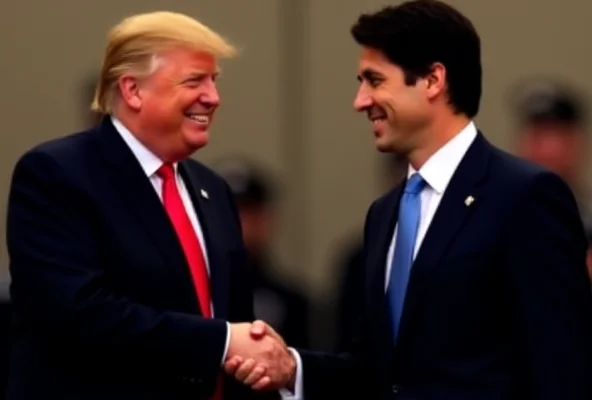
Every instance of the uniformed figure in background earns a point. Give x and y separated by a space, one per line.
552 131
276 301
350 268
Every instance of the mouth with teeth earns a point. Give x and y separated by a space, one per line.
200 119
378 119
376 114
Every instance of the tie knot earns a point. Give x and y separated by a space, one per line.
166 171
415 184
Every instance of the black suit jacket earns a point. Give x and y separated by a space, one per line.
5 317
498 304
103 300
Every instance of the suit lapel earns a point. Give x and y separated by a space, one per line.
383 237
206 211
379 243
141 200
450 216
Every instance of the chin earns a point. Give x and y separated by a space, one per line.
383 145
382 148
197 139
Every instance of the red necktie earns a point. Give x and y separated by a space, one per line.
189 241
187 236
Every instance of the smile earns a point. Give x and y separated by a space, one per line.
199 118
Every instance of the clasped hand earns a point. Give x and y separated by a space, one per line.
259 357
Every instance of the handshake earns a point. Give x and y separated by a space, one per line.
258 357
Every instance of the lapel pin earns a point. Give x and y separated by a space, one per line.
469 200
204 194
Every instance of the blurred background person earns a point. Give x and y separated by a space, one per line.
350 263
276 302
552 131
552 122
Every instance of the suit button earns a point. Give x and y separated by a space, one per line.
395 389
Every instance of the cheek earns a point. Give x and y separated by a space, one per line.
170 101
157 102
386 101
163 113
185 98
402 106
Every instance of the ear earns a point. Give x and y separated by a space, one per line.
436 80
130 91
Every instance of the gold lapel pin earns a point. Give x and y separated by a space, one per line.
469 200
204 194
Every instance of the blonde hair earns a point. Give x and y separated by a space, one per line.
134 43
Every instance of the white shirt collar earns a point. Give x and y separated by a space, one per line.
148 160
440 167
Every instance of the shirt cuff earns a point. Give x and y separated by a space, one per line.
226 345
298 389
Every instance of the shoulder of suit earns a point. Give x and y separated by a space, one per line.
512 169
505 170
73 147
516 177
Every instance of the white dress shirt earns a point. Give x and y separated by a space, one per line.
437 172
150 163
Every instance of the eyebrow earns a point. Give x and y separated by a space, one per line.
369 73
200 74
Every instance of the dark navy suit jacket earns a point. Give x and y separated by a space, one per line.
498 304
104 306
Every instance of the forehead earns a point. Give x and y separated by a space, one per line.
542 130
373 59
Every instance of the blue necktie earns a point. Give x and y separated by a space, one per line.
407 225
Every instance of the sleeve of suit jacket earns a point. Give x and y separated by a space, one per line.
551 292
59 282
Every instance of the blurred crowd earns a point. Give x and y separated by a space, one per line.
551 121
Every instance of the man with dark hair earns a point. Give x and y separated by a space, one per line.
475 283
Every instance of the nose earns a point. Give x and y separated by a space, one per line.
209 95
362 100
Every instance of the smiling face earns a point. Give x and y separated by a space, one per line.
399 111
174 106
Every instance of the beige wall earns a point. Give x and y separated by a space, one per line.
287 99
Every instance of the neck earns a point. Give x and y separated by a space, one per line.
435 136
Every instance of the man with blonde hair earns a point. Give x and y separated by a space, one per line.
127 263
